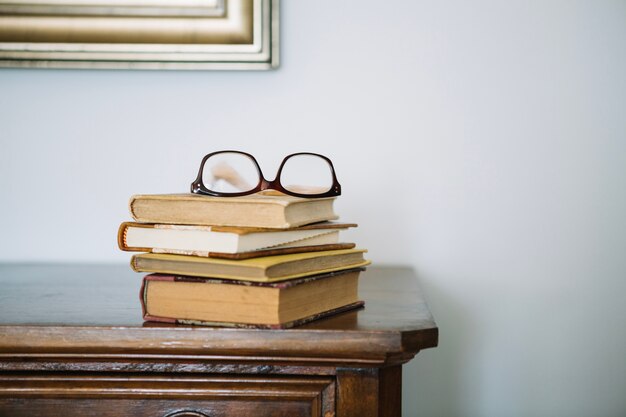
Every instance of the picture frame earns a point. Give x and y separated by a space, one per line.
140 34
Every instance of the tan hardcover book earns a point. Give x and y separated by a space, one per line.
188 300
262 269
256 210
204 240
281 251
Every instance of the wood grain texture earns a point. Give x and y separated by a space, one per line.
86 407
171 364
91 310
72 343
369 392
108 394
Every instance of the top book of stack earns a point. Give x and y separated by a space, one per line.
255 210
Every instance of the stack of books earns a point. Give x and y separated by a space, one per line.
263 261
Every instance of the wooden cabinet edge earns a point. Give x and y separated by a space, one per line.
119 341
421 339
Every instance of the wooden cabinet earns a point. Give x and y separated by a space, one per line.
92 394
72 343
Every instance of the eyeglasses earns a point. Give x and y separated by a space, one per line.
235 173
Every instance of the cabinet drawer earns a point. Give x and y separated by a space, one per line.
165 395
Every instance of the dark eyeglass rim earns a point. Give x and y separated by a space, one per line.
198 187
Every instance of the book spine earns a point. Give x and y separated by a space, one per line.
143 295
133 264
121 236
131 208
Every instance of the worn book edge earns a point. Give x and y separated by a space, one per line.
254 199
133 264
281 285
287 325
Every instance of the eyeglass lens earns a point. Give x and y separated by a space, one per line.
232 172
306 174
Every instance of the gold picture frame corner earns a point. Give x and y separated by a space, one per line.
140 34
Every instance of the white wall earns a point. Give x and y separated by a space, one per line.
482 142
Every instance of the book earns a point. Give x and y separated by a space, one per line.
281 251
262 269
255 210
187 300
202 240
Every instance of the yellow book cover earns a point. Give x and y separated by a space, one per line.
262 269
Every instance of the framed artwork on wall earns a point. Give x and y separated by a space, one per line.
140 34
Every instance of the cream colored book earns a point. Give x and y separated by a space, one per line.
256 210
262 269
202 240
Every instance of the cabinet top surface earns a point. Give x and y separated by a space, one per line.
83 307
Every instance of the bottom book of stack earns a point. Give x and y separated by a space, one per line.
237 303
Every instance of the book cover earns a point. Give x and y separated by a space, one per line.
281 251
202 240
287 325
218 302
256 210
262 269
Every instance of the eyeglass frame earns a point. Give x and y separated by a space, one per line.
198 187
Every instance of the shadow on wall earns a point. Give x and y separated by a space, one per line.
432 380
